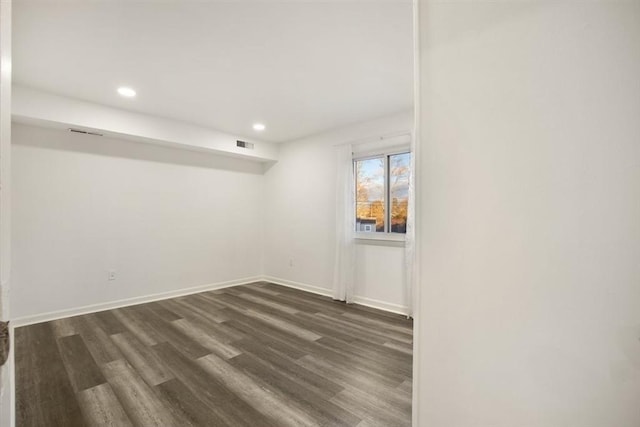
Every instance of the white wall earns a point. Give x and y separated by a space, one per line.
530 214
300 217
163 219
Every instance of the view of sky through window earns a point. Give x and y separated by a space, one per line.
370 195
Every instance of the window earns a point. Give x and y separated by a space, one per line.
382 192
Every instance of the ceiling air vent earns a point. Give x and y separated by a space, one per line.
86 132
242 144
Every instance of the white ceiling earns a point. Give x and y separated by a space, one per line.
298 67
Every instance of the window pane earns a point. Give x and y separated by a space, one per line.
399 165
370 195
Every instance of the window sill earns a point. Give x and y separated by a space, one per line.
387 239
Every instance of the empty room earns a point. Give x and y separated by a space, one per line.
320 213
174 174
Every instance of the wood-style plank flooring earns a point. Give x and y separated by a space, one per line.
254 355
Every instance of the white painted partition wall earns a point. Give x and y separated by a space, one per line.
300 219
165 221
529 310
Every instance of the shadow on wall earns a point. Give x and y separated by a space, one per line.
107 146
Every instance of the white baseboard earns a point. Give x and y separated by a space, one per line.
53 315
297 285
369 302
381 305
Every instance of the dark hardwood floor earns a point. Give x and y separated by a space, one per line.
253 355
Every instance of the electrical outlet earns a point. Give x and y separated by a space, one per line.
291 262
112 275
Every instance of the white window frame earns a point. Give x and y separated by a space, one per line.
384 153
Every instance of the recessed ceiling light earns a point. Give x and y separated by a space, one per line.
126 92
259 127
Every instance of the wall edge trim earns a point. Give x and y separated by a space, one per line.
298 285
369 302
381 305
93 308
110 305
